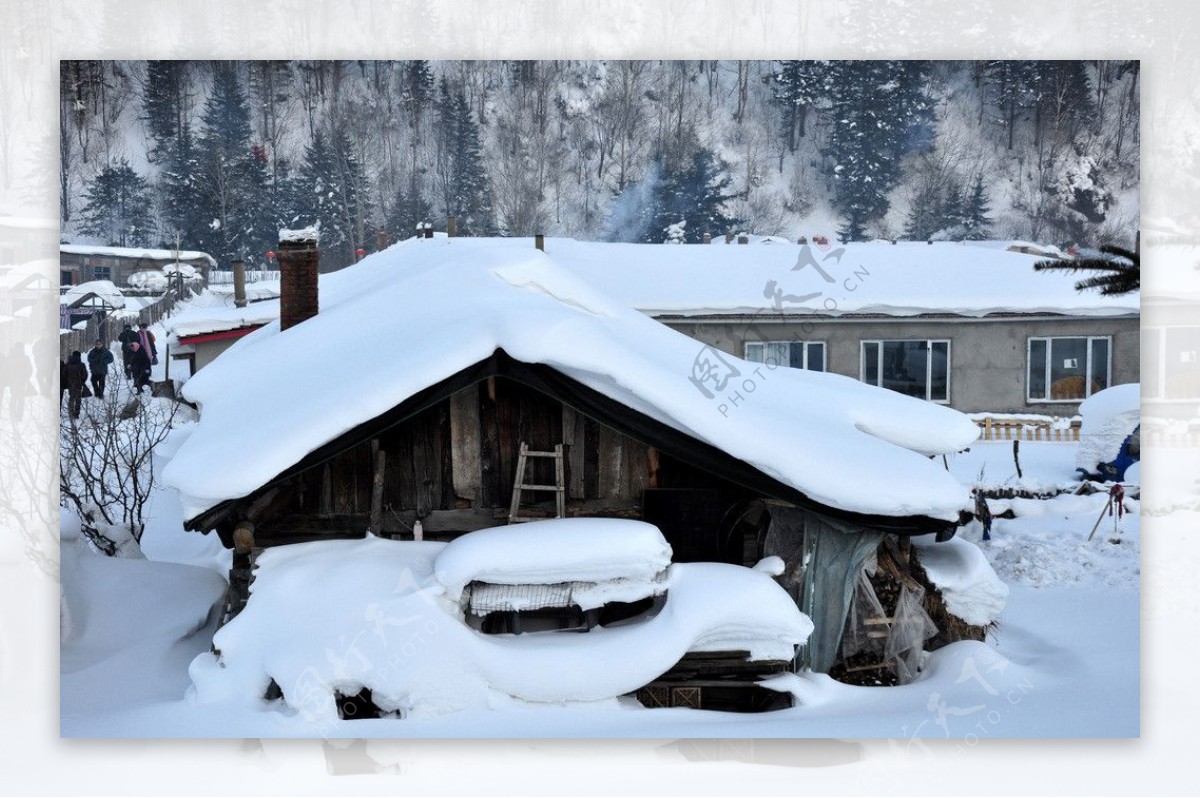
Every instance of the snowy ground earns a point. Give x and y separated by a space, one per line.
1064 661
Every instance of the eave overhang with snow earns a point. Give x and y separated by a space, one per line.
406 327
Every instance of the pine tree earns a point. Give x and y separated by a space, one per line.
409 208
798 86
880 113
334 186
461 171
118 207
163 105
975 219
692 198
179 183
231 181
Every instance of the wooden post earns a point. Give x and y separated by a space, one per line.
743 238
539 241
451 227
728 236
379 457
239 283
243 537
381 240
707 239
429 229
987 428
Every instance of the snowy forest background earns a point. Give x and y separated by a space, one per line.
223 154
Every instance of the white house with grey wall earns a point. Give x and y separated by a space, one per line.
968 324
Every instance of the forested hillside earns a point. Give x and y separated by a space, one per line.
224 154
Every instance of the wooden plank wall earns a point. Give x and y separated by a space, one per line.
462 453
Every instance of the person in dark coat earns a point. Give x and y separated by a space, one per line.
139 366
98 360
16 370
62 381
76 380
127 337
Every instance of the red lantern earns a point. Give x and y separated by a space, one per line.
360 252
270 255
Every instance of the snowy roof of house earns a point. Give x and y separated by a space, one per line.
408 318
102 289
903 279
204 320
136 252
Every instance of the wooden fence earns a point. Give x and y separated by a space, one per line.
994 430
108 328
252 276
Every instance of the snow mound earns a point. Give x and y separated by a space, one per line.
969 585
1109 416
337 616
631 555
148 281
460 300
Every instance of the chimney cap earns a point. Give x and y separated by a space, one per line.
310 233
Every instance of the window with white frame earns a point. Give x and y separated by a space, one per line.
1068 369
796 354
1171 363
919 368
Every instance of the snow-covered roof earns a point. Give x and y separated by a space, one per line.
136 252
902 279
204 320
103 289
409 317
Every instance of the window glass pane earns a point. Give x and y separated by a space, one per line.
1099 364
1182 363
777 354
754 353
1068 362
797 355
939 376
816 356
904 367
870 354
1151 365
1037 369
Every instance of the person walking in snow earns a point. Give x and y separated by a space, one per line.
127 337
146 339
16 370
98 360
75 380
139 366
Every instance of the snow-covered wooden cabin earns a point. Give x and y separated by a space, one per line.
406 387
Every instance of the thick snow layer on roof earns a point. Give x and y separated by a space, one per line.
104 289
136 252
901 279
1108 418
210 319
421 311
556 551
341 615
970 586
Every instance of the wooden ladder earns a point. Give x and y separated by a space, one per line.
519 485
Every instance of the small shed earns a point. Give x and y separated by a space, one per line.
432 373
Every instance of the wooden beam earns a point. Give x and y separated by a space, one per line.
465 445
379 456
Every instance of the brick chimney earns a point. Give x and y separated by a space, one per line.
298 256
